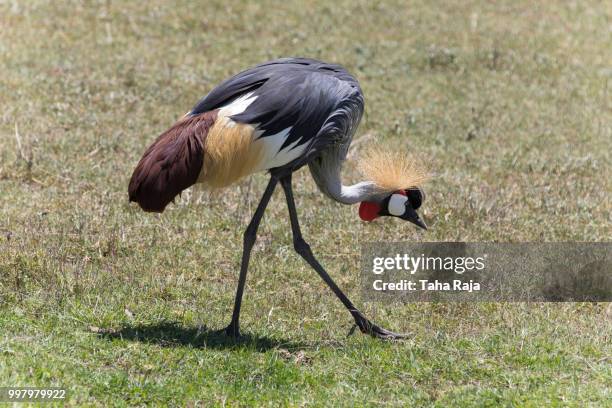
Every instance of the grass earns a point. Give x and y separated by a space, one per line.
509 104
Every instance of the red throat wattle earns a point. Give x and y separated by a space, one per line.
368 211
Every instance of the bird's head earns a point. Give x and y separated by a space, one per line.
401 204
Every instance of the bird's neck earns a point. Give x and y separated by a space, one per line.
326 174
362 191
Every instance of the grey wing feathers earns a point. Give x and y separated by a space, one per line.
322 103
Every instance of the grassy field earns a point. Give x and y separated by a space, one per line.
510 104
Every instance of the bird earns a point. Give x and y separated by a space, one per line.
277 117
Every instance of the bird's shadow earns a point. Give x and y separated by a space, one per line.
172 334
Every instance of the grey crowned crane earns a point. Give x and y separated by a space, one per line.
278 117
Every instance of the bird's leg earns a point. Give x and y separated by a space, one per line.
302 248
250 235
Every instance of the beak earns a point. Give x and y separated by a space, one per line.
412 216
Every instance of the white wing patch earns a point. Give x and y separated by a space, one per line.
273 155
238 105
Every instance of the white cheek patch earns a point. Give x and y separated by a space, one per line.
397 205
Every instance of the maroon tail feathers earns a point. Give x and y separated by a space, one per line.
172 163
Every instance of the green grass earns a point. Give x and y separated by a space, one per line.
508 103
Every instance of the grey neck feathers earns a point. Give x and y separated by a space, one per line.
362 191
326 172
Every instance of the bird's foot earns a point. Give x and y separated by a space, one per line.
232 330
367 327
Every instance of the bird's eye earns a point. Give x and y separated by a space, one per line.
415 197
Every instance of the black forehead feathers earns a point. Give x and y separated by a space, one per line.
415 197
